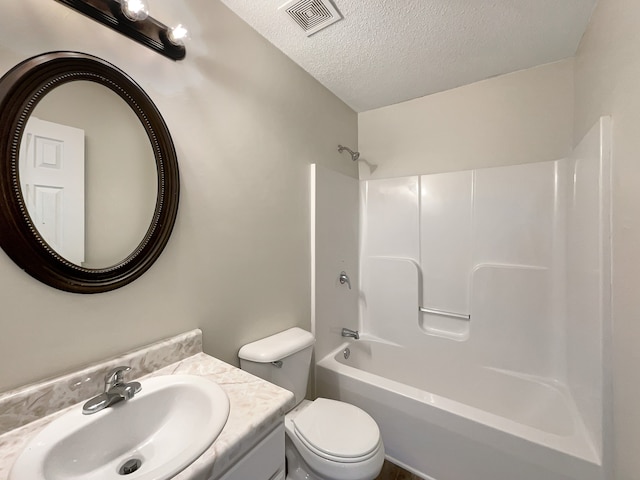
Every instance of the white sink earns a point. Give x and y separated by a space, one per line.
166 426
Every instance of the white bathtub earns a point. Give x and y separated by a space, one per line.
447 423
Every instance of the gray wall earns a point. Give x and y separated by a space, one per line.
246 123
517 118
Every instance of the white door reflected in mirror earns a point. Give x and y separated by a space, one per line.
110 217
52 183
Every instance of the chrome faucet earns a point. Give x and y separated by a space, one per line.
115 390
347 332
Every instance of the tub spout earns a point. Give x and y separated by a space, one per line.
347 332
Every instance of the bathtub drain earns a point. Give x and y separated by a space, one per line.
130 466
346 353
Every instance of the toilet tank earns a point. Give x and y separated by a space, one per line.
283 359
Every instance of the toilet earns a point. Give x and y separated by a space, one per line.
325 439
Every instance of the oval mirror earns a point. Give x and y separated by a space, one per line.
88 173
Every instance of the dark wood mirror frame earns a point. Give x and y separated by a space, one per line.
20 91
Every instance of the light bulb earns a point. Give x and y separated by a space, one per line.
178 34
135 10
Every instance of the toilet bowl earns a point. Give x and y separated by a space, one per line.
325 439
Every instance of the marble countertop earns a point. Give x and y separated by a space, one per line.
256 408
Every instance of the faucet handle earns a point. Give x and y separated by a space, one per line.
344 278
115 377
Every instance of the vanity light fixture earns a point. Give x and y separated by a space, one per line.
135 10
178 34
131 18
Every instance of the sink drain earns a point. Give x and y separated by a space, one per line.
130 466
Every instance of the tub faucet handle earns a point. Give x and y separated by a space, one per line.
344 278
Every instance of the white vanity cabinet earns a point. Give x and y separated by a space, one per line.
265 461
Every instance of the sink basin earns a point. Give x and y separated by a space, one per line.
159 432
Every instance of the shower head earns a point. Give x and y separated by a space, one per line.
354 155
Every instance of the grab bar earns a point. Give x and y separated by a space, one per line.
461 316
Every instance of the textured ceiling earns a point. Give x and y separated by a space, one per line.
388 51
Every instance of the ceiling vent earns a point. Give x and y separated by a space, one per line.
311 15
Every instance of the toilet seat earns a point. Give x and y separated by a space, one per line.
337 431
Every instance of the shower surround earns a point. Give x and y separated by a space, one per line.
518 258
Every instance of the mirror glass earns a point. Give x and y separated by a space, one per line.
88 174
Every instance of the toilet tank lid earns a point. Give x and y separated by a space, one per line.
278 346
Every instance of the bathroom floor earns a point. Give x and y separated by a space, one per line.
393 472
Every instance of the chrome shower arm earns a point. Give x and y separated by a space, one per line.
354 155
